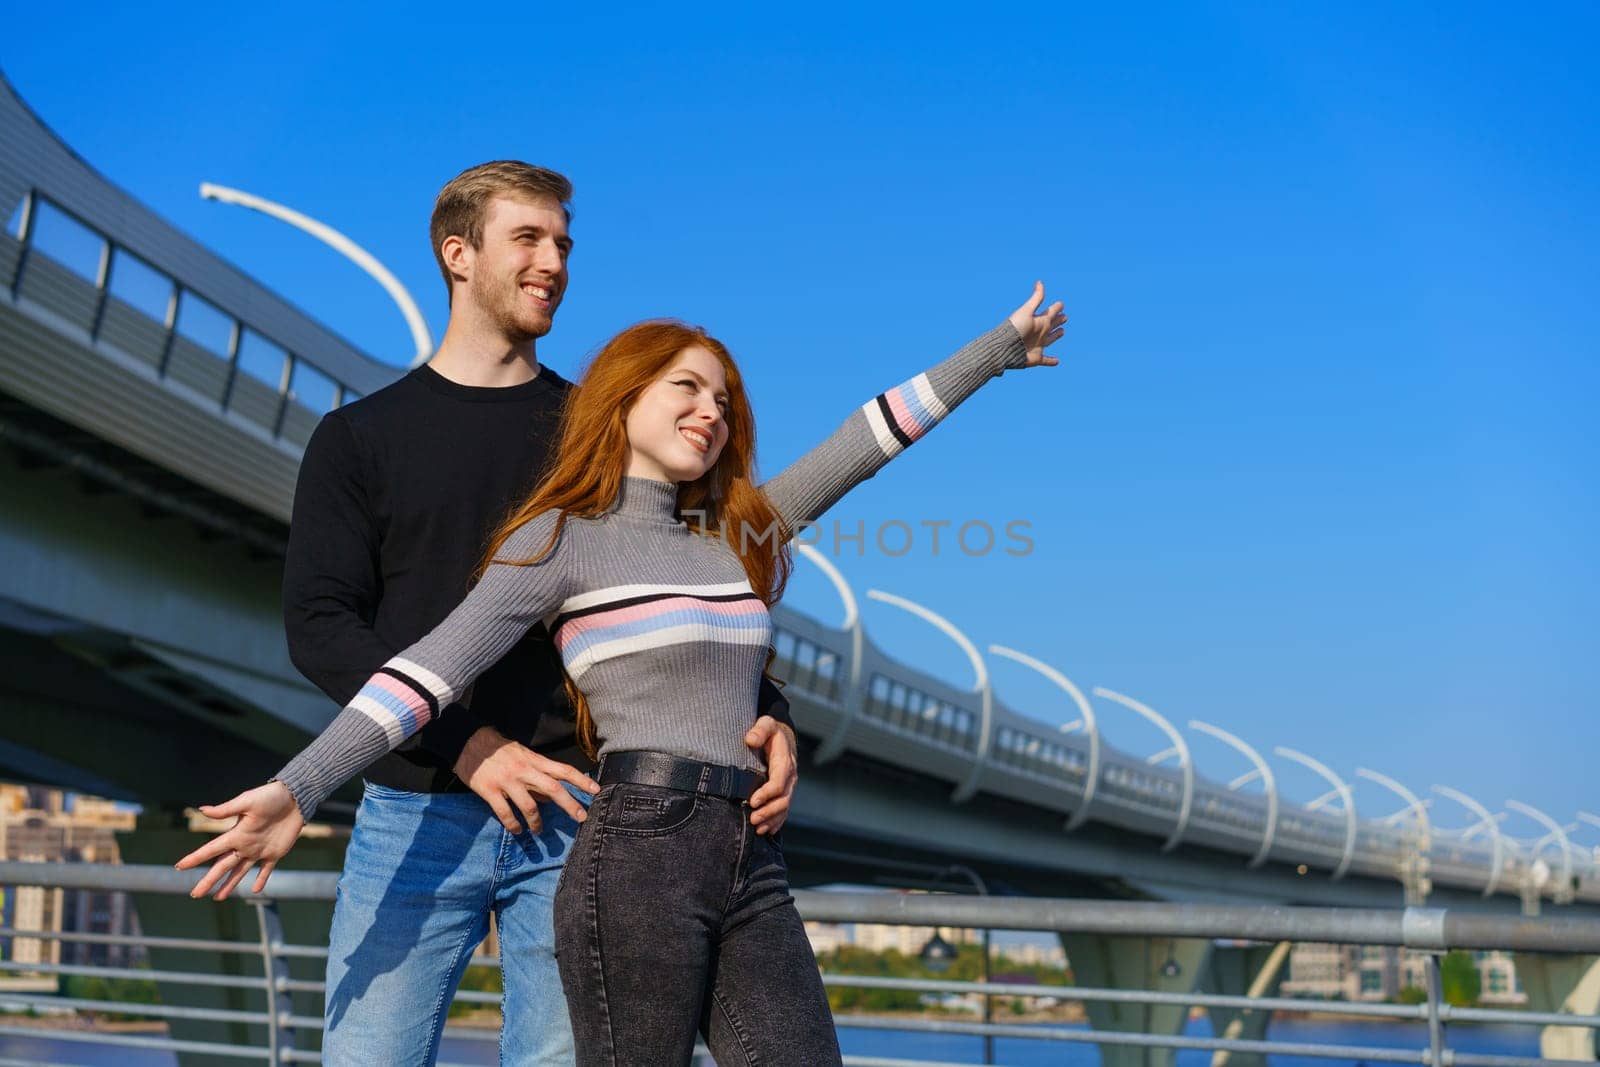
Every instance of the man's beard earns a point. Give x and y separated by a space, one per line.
505 309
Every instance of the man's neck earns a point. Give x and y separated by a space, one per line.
483 358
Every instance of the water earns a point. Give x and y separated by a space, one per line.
950 1048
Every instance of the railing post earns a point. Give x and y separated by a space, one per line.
30 211
174 305
285 381
235 337
275 969
102 283
1436 1050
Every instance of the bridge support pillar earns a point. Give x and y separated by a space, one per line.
1162 964
1250 970
161 836
1564 984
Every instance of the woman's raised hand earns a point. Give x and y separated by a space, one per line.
1038 331
269 822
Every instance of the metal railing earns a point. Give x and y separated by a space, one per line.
1433 931
277 399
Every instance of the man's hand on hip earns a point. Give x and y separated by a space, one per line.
769 805
513 778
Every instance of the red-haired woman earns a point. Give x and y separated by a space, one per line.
652 557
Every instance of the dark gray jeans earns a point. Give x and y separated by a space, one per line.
674 917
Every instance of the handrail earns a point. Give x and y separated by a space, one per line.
1434 929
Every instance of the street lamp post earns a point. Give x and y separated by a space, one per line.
1180 748
850 699
1341 789
981 687
1086 721
345 247
1262 771
1413 871
937 953
1486 821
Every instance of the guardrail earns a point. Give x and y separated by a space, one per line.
1431 930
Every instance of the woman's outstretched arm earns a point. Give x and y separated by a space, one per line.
892 421
396 702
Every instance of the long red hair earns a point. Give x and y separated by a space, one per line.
592 453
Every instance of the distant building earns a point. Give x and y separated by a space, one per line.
1380 972
43 825
825 937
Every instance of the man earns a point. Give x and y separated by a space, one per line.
396 497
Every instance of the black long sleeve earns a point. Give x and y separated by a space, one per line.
397 496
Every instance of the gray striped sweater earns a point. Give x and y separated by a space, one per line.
657 625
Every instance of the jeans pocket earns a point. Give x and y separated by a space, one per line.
648 811
383 792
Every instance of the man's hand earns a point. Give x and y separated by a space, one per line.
512 778
769 805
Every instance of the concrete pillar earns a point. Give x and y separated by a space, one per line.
1565 984
1244 971
161 837
1105 962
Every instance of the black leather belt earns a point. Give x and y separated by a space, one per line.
675 772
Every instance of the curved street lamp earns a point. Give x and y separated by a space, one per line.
1269 782
850 701
981 688
1341 789
1180 748
1562 893
345 247
1414 873
1485 821
1091 727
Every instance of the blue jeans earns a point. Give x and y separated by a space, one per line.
422 873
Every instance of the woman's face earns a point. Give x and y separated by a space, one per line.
678 425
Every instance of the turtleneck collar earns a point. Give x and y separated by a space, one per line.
647 499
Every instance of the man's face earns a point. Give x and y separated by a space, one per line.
520 273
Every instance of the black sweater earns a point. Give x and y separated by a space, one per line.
397 496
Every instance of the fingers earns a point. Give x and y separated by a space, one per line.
525 798
568 773
237 806
218 871
234 879
770 819
221 845
763 796
502 812
565 801
1033 302
760 733
261 879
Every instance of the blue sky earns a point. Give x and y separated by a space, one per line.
1317 466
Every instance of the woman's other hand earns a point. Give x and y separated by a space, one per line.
269 822
1038 331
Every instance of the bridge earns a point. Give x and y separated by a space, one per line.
155 400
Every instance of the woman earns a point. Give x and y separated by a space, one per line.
653 558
